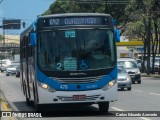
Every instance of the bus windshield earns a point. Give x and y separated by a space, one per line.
78 49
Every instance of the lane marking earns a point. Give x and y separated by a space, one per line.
154 94
147 92
117 109
138 90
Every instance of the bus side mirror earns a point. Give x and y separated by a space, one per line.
33 39
117 35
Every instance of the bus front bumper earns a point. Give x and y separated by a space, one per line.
90 96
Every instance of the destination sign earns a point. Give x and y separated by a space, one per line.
63 21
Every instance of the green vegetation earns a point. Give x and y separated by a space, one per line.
1 37
135 18
1 100
88 6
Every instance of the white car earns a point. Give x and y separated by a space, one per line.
4 63
11 69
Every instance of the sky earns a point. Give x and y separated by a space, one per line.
26 10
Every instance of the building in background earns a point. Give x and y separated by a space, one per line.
132 49
10 47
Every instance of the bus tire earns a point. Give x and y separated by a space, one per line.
39 107
103 107
34 95
28 102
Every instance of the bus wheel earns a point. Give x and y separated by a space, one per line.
34 95
103 106
28 102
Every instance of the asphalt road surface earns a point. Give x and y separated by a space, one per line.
142 97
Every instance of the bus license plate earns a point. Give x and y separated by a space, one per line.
77 97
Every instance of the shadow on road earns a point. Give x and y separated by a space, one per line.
62 110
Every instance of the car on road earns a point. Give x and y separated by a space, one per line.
139 63
11 69
124 80
156 64
18 71
131 67
4 63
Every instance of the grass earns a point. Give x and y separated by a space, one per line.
1 100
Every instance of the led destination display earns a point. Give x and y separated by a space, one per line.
63 21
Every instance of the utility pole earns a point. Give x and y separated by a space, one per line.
148 46
3 36
159 53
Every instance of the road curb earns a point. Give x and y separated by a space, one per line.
12 107
6 107
151 75
10 103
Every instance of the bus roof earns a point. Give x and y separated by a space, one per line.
74 14
27 30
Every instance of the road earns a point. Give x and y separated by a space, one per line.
142 97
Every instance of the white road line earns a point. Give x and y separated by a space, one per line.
143 118
117 109
138 90
154 94
147 92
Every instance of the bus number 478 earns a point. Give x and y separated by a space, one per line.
64 87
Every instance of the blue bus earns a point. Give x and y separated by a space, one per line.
69 58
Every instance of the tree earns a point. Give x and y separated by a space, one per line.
146 12
96 6
1 37
136 17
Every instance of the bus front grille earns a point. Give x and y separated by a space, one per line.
82 80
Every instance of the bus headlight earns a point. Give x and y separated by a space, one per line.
109 85
46 87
